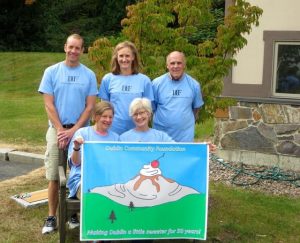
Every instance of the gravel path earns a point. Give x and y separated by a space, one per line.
274 183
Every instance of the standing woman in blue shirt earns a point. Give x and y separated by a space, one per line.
123 84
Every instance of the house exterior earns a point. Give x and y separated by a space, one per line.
264 127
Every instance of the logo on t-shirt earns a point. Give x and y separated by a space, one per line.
72 79
177 92
126 88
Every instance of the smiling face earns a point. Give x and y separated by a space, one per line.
125 59
104 121
176 64
141 119
73 49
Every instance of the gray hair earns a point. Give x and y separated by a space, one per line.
140 103
176 53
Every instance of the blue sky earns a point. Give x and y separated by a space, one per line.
110 163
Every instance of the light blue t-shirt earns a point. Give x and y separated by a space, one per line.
70 87
88 134
120 90
151 135
174 102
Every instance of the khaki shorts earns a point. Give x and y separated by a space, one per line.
51 155
78 193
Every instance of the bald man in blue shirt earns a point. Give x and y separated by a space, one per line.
177 100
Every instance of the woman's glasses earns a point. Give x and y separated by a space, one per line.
140 113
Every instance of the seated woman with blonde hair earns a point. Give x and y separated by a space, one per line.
103 114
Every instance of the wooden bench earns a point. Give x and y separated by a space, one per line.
67 206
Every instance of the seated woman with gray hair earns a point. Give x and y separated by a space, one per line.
141 112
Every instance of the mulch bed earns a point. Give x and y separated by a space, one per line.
270 180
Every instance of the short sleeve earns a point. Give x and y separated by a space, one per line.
104 88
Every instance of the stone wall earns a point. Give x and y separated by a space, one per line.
257 133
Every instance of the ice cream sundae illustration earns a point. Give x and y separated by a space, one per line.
148 188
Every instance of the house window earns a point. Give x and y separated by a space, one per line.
286 69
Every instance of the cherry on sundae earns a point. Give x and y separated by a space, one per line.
150 172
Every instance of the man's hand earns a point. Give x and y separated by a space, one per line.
64 136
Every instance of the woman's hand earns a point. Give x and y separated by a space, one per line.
212 147
78 141
75 157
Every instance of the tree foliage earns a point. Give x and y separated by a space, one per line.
158 27
42 25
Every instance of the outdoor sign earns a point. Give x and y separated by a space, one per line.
144 191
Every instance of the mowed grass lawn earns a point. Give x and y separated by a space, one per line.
23 120
235 214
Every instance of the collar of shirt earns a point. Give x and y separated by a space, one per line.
176 79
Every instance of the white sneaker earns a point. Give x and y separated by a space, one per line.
50 225
73 222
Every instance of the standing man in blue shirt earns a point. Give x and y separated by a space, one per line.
69 90
177 99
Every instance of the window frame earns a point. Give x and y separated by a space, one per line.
264 91
275 63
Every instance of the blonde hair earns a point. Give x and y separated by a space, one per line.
100 108
115 67
140 103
